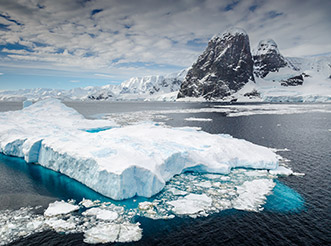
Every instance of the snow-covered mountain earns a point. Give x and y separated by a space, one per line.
225 72
136 88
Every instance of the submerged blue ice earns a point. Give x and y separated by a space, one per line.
99 129
284 199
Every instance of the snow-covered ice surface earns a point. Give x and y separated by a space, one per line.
123 161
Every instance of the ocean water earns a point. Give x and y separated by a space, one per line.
297 213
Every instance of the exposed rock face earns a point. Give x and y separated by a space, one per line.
224 67
293 81
267 58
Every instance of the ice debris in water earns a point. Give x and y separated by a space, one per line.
187 194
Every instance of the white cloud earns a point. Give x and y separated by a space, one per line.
1 73
74 81
125 34
104 75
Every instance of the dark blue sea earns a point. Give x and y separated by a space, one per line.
306 135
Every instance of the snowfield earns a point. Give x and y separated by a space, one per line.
121 162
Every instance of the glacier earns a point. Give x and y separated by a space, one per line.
121 162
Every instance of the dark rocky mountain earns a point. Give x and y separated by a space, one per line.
224 67
267 58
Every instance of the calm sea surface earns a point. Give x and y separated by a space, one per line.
306 135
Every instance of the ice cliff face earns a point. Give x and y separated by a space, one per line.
224 67
267 58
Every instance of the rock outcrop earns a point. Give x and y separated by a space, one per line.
267 58
224 67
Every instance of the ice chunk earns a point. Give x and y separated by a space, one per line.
252 194
87 203
106 233
198 119
60 207
281 171
101 214
60 225
177 192
191 204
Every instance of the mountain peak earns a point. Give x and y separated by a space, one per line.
225 66
232 31
266 46
267 58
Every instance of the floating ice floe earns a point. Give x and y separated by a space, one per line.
281 171
191 204
121 162
198 119
60 207
106 233
252 194
101 214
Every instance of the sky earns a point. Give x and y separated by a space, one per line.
77 43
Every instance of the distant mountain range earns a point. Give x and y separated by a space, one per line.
226 71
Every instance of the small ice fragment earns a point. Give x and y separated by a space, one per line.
145 205
129 233
281 171
60 225
101 214
60 207
88 203
198 119
191 204
177 192
106 233
298 174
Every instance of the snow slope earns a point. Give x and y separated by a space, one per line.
316 85
123 161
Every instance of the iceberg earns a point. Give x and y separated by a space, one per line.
121 162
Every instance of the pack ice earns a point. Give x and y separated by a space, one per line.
121 162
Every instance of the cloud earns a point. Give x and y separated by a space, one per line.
1 74
122 37
104 75
74 81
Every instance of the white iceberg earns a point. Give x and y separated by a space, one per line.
123 161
